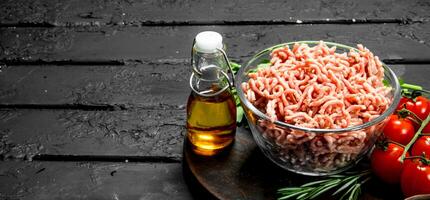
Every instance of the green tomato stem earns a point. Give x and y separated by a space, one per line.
411 87
413 157
403 113
414 88
415 120
417 134
422 158
393 142
425 91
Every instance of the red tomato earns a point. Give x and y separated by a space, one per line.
420 146
415 178
402 101
400 130
421 106
385 163
426 129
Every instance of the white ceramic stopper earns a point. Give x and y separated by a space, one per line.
208 42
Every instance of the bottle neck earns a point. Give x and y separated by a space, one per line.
211 81
209 76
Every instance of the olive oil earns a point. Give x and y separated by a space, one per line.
211 122
211 108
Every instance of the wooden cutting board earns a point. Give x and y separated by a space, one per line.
243 172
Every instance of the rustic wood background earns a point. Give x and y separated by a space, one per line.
93 93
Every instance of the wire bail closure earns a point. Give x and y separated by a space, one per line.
207 93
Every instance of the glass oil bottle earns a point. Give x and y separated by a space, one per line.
211 109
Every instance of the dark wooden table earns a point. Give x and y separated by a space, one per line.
93 93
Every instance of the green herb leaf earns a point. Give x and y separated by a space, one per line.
411 87
324 188
315 183
347 181
298 193
239 110
236 97
235 67
355 192
338 176
385 82
259 66
347 192
263 65
303 196
290 195
239 114
265 61
401 81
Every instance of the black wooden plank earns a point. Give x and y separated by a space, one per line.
414 74
132 132
86 180
135 85
172 44
149 86
102 12
137 134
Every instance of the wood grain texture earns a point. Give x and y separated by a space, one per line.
148 86
152 86
86 180
106 80
172 44
137 134
414 74
140 12
126 130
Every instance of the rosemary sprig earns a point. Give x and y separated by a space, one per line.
350 182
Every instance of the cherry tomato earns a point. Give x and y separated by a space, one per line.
422 145
400 130
385 163
426 129
415 178
402 102
420 106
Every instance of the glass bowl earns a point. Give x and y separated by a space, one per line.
305 151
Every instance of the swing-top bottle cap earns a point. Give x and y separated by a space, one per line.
208 42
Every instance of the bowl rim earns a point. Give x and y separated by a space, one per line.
250 106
